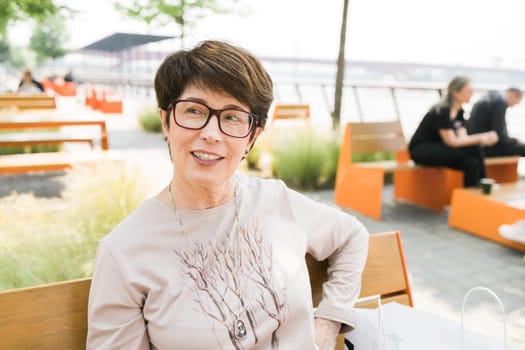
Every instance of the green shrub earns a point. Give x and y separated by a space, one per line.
47 240
149 120
305 159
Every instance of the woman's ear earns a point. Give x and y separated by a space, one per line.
163 120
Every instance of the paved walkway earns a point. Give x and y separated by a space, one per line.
443 263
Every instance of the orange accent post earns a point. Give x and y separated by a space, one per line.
405 270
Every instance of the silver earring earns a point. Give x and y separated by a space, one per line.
246 152
165 138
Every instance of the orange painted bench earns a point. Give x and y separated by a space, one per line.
482 215
54 316
359 186
104 101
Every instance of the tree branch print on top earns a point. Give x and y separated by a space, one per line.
233 282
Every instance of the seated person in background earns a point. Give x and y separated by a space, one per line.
489 114
442 140
68 77
28 84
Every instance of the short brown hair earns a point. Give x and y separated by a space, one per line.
217 66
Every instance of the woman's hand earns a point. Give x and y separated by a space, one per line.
326 332
489 138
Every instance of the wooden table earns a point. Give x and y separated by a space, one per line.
482 215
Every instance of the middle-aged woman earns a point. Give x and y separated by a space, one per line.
216 260
441 138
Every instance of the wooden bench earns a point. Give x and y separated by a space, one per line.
22 102
48 138
359 186
291 112
482 215
54 316
385 274
54 161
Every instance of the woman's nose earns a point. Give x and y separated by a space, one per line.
211 132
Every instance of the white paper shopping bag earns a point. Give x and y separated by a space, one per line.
399 327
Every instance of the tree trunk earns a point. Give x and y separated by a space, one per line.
336 114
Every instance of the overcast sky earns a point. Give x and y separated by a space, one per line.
466 32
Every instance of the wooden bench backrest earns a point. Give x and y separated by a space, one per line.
54 316
385 271
45 317
28 101
300 112
376 137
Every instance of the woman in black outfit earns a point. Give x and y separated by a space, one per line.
442 140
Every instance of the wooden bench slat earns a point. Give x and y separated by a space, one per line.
51 316
377 128
36 101
40 138
296 111
389 143
53 161
58 138
400 299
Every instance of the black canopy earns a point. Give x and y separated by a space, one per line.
123 41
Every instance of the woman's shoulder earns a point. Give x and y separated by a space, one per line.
149 214
257 184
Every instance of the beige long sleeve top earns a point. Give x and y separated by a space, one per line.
156 286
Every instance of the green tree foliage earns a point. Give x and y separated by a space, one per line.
17 10
182 12
48 37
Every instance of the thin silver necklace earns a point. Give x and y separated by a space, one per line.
238 327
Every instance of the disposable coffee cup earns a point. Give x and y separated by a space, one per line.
486 185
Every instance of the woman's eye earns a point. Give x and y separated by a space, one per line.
231 118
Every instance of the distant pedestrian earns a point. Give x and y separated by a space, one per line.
441 138
489 114
28 85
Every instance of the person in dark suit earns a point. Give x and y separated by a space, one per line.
489 114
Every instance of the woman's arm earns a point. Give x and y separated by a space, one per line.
343 240
115 319
462 139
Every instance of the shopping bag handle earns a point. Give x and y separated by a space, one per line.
470 291
377 299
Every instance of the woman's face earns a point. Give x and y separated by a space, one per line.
463 95
206 157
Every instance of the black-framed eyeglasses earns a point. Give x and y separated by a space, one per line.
234 122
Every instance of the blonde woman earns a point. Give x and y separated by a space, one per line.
441 138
